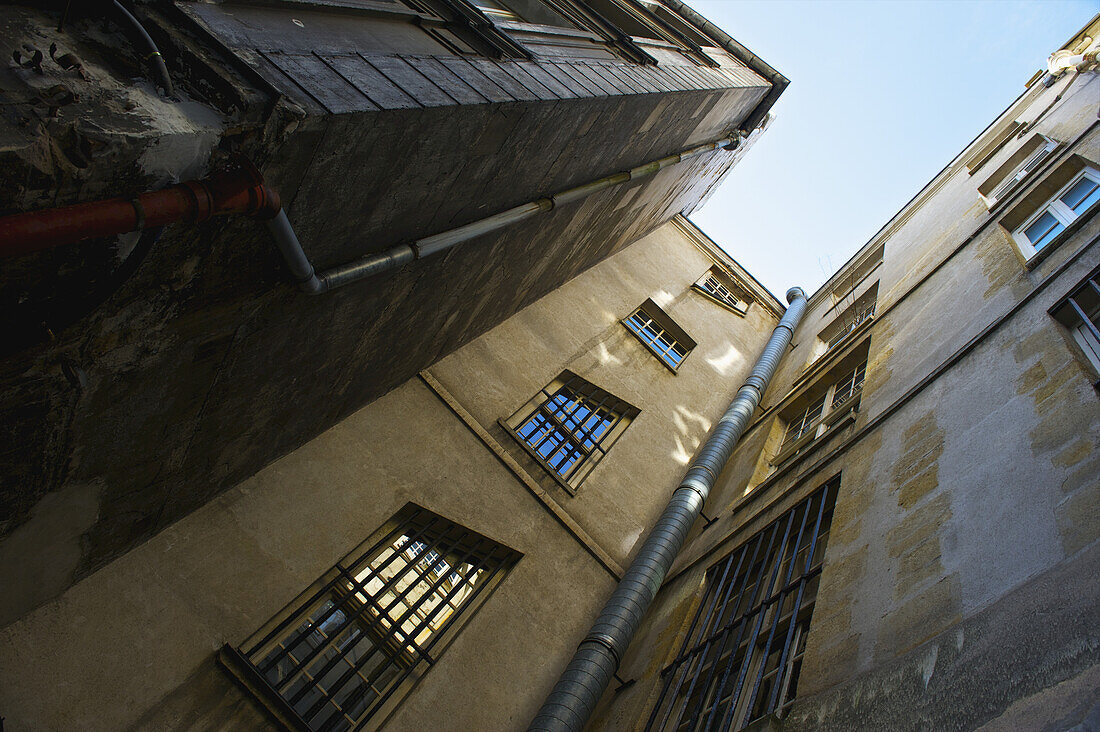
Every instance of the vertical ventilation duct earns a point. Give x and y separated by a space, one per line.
582 683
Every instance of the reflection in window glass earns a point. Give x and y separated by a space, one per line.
337 658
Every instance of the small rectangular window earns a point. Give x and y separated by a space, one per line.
1052 218
348 644
1080 313
660 334
835 398
743 652
842 329
719 287
1022 164
569 426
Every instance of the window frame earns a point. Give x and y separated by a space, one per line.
1082 319
345 592
578 471
1064 215
738 300
666 328
828 416
722 610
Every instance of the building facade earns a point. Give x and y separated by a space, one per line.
403 506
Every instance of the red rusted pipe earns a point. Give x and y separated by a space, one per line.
240 190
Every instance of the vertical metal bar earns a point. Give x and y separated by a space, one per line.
673 670
779 603
420 573
396 683
798 598
719 637
379 643
741 622
287 621
749 650
303 664
699 656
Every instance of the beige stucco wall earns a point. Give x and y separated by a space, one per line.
970 477
133 645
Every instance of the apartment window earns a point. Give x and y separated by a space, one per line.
720 288
804 422
743 652
827 408
1053 217
660 334
849 322
1080 313
1022 164
347 646
569 426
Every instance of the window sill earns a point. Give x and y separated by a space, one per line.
257 687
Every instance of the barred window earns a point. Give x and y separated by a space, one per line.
743 652
346 646
852 320
569 426
722 290
849 386
660 334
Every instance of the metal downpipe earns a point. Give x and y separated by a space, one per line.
582 683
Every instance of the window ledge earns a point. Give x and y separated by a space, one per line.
261 692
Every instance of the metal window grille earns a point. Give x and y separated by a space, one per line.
857 320
712 285
572 427
804 422
1080 312
743 652
371 622
850 385
657 338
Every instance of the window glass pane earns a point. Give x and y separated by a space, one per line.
1045 228
372 620
1083 194
727 671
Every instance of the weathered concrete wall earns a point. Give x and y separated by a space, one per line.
578 328
151 621
133 644
206 364
959 582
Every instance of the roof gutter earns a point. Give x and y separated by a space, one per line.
742 54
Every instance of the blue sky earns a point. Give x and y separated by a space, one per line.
882 96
